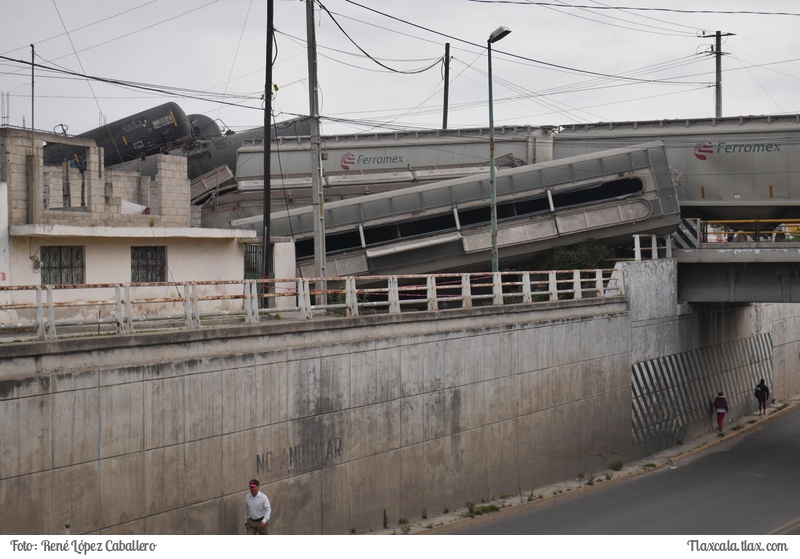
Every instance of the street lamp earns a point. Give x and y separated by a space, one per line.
496 35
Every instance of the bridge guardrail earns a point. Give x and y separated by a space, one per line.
35 312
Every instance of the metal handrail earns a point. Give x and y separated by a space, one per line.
58 311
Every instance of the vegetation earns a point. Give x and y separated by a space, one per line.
473 511
587 255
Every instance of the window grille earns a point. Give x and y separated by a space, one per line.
148 264
62 265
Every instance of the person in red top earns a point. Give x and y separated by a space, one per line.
721 407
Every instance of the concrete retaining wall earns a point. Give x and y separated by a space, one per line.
346 422
682 355
351 421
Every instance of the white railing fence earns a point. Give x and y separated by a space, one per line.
53 311
651 244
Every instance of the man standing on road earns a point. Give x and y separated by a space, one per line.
256 511
762 395
721 407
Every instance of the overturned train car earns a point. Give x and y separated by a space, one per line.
146 133
445 226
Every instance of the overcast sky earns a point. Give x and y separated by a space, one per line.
564 62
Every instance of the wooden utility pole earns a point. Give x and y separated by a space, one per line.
717 51
266 246
33 100
446 84
316 156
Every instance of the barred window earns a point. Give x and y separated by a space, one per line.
62 265
148 264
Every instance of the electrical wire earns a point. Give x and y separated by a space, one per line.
163 90
511 55
764 89
417 71
88 82
659 31
635 14
301 42
82 27
236 53
638 8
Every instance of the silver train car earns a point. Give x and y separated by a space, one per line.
726 168
445 226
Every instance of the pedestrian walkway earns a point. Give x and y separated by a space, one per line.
669 458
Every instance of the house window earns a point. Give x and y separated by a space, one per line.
62 265
148 264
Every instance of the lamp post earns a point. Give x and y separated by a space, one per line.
496 35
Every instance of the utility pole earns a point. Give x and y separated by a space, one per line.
446 84
717 51
266 247
33 100
316 156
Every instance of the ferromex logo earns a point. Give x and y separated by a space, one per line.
350 160
706 148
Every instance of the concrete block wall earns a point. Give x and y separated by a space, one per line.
343 420
171 210
168 196
13 171
170 192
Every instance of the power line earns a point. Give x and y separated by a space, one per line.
660 31
418 71
511 55
636 8
165 90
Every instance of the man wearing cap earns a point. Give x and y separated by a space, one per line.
256 511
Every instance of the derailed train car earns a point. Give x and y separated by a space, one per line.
134 137
726 168
445 226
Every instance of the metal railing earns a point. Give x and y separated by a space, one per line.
53 311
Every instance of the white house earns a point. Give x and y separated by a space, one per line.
78 223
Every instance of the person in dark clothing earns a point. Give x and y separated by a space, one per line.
762 395
721 407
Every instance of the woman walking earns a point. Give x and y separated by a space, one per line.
721 407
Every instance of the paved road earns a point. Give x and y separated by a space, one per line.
749 483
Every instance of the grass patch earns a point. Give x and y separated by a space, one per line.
473 511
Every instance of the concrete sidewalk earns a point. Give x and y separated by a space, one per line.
670 458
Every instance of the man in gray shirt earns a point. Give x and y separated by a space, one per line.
256 511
